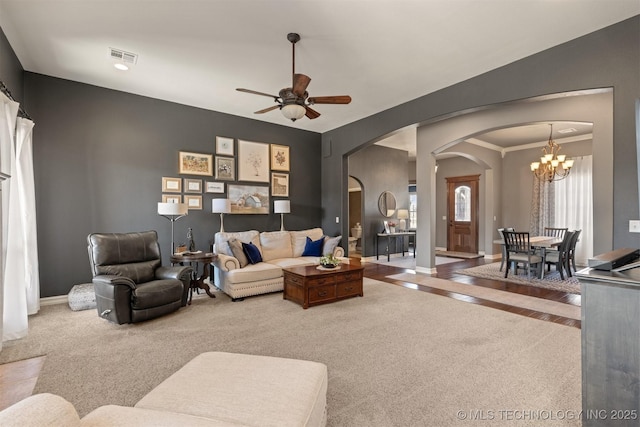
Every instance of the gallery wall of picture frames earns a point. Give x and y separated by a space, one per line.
252 171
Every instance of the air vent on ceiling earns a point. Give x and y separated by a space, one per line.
121 55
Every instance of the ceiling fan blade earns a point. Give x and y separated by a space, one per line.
300 83
341 99
266 110
311 113
256 93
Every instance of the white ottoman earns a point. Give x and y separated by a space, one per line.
82 297
248 390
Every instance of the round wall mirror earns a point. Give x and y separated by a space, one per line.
387 204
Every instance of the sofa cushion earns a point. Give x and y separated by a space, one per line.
295 262
313 247
246 389
113 415
330 244
252 252
222 240
43 409
275 244
254 273
299 239
238 252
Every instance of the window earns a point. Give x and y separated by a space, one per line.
413 207
463 203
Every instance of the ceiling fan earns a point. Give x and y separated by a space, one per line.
294 101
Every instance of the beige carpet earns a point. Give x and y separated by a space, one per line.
509 298
396 357
551 279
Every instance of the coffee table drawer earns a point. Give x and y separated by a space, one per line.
349 289
352 275
322 293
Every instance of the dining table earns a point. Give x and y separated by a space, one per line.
538 242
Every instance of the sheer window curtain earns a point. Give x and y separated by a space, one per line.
574 205
21 287
542 207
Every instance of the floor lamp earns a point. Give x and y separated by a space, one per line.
173 212
221 206
282 207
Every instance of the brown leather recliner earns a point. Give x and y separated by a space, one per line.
130 283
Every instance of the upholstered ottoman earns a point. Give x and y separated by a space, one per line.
245 389
82 297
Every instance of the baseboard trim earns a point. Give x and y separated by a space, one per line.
59 299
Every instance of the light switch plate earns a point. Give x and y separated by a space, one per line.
634 226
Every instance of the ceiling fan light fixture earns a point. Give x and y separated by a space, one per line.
293 111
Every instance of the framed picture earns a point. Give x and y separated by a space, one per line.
386 227
279 157
192 185
226 168
224 146
193 202
253 161
249 199
171 198
171 185
195 163
215 187
279 184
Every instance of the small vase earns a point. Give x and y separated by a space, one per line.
392 229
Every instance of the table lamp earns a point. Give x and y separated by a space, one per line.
403 215
221 206
282 207
173 212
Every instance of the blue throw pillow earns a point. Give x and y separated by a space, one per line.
313 248
252 252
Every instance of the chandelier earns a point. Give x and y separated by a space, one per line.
552 166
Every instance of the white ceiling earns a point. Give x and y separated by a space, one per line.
381 52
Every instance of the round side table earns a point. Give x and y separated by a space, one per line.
197 283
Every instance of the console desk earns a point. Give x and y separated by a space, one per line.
610 347
395 236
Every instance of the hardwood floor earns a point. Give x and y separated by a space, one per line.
17 379
448 271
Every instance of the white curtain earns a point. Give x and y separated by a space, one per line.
574 205
8 115
21 287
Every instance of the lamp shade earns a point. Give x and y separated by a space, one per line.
281 206
220 205
172 209
403 214
293 111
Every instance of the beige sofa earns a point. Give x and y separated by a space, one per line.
279 249
214 389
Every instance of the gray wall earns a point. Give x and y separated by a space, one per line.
11 71
379 169
99 158
606 58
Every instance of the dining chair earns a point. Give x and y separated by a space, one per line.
555 232
560 256
571 257
504 246
518 248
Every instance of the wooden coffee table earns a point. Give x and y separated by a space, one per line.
310 285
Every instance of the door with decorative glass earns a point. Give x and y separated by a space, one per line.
462 213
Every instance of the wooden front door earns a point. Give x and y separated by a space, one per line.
462 213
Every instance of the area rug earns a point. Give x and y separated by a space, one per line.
551 279
395 357
463 255
410 262
516 300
